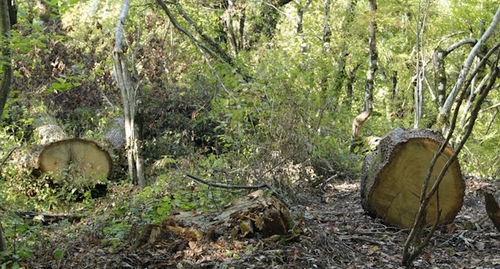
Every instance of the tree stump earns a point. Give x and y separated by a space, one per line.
80 158
392 177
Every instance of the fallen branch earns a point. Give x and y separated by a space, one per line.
46 218
240 187
8 155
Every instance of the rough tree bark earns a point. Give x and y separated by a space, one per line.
444 112
370 77
392 178
130 104
6 55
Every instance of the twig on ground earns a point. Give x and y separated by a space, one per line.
8 155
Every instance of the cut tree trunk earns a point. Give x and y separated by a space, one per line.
78 157
393 175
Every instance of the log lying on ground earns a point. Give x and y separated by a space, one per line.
392 177
78 157
47 218
253 214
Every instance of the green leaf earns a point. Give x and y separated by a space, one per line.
15 265
58 254
22 13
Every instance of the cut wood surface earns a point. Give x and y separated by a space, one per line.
392 177
83 157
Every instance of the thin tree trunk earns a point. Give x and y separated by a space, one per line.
3 247
7 74
12 12
350 83
440 69
419 93
6 84
300 29
231 37
444 112
440 77
300 16
370 78
120 65
327 32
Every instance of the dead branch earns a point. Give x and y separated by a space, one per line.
240 187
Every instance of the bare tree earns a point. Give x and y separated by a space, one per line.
444 112
130 103
419 93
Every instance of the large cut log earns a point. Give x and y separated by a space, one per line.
81 158
392 177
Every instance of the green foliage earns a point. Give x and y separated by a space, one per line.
288 124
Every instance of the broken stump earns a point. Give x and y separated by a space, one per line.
392 177
252 215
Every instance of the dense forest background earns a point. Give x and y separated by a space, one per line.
238 93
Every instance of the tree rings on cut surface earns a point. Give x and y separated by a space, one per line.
393 175
84 157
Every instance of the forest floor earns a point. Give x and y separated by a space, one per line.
336 234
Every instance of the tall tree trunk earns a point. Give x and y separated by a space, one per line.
440 69
231 36
327 33
444 113
12 12
350 83
300 29
7 74
440 76
300 16
130 104
6 84
338 81
370 79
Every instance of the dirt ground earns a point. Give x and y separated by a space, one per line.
336 234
